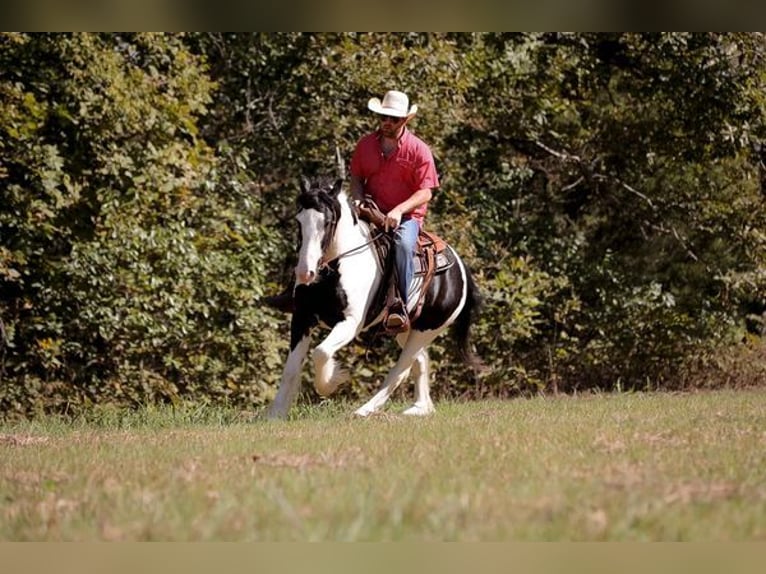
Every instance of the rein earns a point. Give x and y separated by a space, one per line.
325 263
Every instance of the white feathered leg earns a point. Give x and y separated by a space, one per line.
327 375
290 383
421 370
416 342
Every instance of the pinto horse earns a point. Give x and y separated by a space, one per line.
338 276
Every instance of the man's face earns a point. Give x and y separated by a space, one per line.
391 126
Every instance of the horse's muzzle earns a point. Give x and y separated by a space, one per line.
305 277
306 274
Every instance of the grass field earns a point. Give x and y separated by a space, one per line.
629 467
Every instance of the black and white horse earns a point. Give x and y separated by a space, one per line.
337 280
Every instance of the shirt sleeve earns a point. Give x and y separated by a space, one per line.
425 173
356 168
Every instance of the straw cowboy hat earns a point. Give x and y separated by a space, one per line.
394 104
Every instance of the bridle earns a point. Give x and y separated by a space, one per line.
329 205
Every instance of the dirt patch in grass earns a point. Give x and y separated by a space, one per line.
353 457
22 440
689 492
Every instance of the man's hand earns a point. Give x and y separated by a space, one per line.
393 219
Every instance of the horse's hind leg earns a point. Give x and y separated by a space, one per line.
423 404
421 371
415 345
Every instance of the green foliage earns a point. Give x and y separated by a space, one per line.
130 265
623 164
606 189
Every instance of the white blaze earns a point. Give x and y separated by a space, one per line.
312 232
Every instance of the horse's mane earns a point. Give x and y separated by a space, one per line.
320 193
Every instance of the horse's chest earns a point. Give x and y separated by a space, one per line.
325 300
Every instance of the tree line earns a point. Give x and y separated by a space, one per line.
607 189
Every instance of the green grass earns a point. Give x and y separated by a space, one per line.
597 467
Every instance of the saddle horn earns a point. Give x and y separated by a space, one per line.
340 163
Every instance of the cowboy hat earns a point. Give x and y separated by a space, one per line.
394 104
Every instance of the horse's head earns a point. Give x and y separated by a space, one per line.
318 214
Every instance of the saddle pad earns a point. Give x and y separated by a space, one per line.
444 260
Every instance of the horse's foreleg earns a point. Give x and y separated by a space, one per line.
291 381
327 375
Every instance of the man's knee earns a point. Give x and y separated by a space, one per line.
405 242
404 250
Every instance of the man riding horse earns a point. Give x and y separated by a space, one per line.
396 170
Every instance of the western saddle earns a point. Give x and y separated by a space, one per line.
431 257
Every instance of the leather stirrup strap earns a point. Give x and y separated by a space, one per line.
430 268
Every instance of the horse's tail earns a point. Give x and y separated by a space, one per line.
462 328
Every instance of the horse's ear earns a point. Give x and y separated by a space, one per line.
305 184
337 186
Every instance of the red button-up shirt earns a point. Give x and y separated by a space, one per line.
393 179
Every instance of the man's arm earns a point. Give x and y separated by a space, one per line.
420 197
357 188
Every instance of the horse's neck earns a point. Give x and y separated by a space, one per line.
350 232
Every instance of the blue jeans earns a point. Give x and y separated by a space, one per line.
405 241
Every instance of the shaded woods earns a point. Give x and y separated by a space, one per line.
606 189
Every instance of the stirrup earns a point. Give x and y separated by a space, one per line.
396 320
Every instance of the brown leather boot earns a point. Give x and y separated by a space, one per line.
283 301
396 320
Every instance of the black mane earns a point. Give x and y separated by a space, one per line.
321 194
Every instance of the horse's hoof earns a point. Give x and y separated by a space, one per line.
363 412
419 410
326 389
